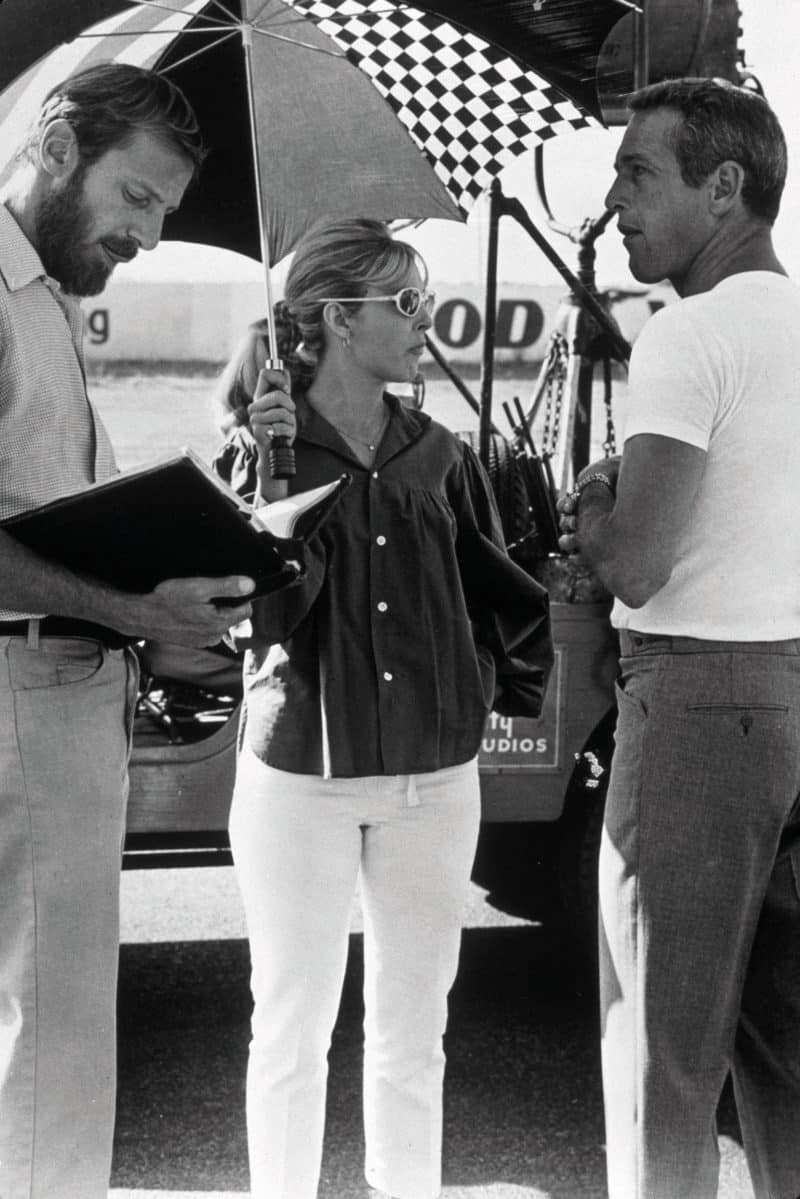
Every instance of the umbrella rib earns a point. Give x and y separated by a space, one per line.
202 49
257 16
283 21
228 12
224 30
297 16
343 18
293 41
293 16
181 12
284 14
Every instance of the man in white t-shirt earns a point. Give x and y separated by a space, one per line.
696 532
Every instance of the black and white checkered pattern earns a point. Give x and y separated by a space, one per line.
470 107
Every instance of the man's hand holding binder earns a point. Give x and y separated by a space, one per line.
189 611
179 552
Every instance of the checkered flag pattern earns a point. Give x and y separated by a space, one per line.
470 107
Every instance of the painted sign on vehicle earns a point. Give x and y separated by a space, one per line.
521 743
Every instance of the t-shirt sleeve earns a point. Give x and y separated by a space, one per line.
673 385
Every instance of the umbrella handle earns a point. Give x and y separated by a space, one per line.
281 458
281 451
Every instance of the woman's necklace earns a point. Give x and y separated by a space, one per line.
371 443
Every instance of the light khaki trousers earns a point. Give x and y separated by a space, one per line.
65 716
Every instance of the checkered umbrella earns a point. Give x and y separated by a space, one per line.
311 107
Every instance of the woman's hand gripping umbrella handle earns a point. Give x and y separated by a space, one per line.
280 456
271 415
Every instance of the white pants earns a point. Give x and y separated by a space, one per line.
298 843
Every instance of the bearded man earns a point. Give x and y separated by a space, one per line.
110 154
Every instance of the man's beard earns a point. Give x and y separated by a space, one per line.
62 231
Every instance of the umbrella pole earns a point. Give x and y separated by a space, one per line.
281 454
489 328
641 61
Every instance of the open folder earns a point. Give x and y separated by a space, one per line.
175 519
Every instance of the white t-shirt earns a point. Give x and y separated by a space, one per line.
720 371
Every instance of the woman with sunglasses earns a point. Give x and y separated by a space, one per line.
367 686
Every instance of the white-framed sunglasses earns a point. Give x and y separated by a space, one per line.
407 301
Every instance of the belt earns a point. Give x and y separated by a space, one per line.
67 626
633 643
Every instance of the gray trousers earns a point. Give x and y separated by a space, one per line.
700 915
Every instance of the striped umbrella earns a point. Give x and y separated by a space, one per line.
314 108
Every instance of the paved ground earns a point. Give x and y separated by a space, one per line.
523 1116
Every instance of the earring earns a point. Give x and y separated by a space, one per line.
346 340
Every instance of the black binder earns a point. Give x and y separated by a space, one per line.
172 519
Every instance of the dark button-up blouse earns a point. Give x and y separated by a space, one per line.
411 622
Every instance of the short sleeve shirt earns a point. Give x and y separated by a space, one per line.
52 442
718 371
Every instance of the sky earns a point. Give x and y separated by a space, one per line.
578 173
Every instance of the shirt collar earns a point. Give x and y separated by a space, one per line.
405 425
19 262
21 265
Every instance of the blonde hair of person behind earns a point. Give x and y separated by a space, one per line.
342 258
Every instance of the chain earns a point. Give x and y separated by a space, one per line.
556 376
610 443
